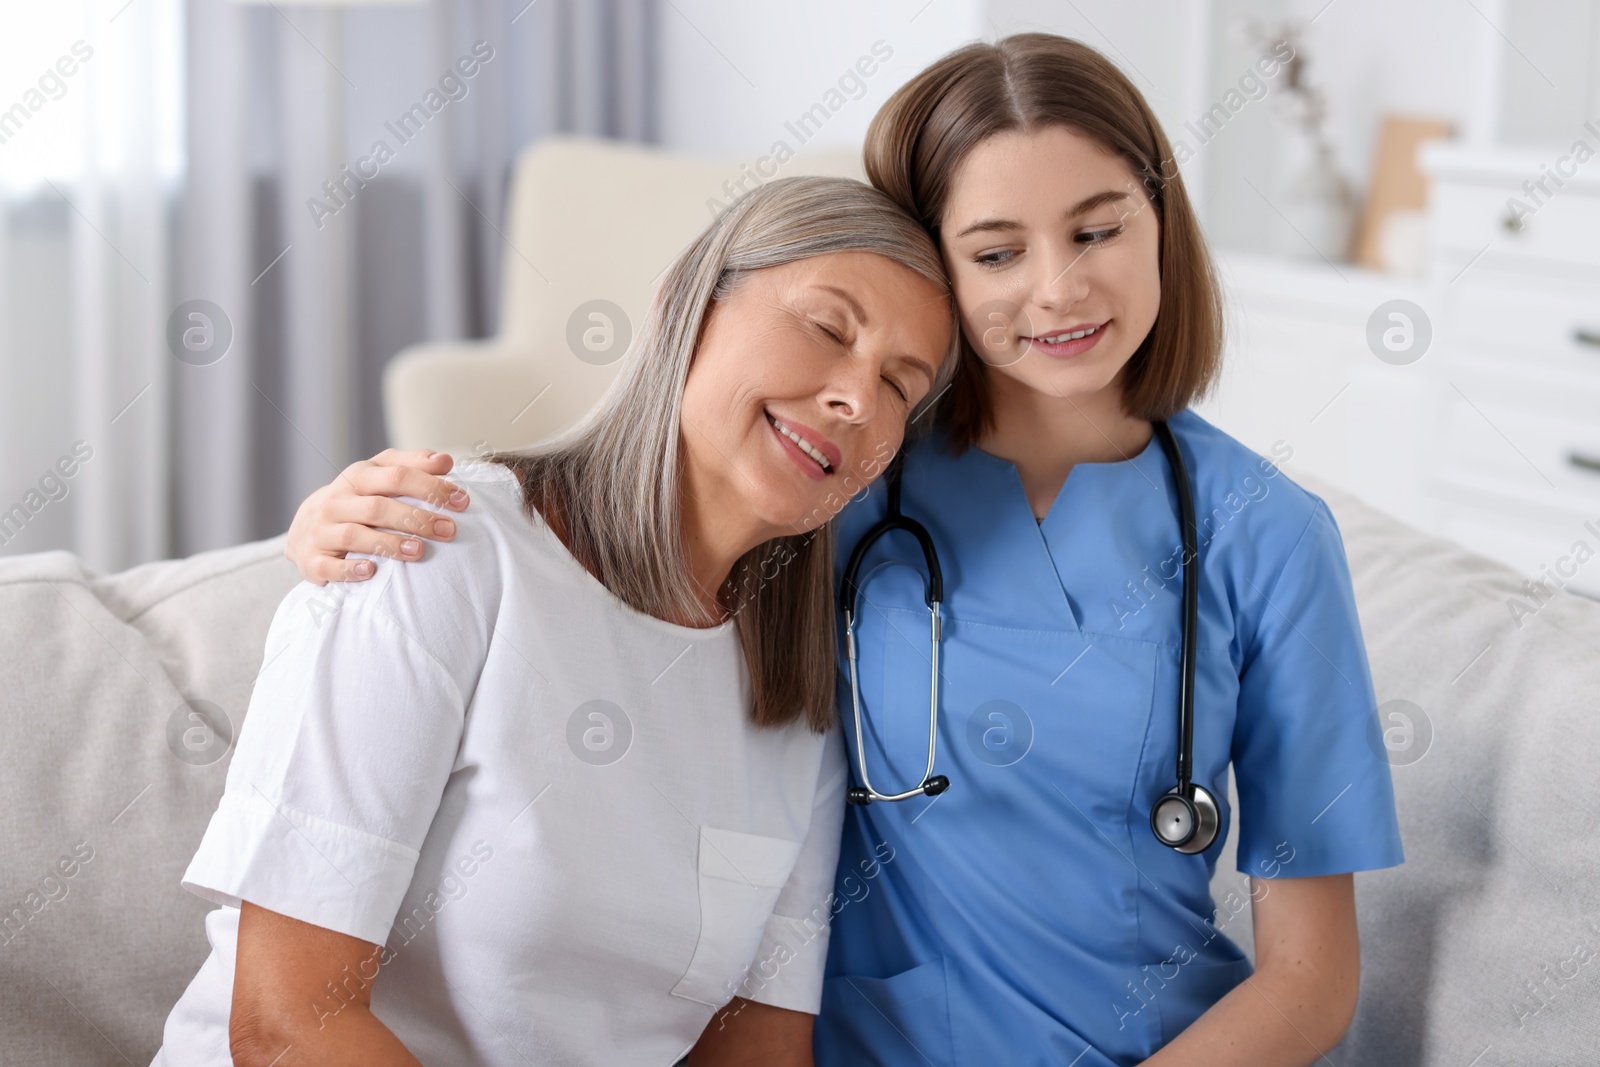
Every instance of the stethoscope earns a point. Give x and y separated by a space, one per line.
1186 817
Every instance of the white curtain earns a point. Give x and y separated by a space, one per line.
204 137
88 169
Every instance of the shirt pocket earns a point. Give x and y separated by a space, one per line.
904 1018
740 877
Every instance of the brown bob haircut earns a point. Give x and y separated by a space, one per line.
1028 82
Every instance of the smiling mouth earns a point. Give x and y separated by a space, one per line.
1070 335
800 443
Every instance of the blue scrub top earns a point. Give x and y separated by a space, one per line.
1028 915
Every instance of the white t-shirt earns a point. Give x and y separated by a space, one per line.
551 808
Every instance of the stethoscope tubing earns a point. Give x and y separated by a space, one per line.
933 594
1196 828
871 792
1191 603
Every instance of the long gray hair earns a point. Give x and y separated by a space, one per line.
612 484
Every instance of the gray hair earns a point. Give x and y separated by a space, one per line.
611 485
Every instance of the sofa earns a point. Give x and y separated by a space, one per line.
120 696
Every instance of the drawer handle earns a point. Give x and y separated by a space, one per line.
1583 462
1587 337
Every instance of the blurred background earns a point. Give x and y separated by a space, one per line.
206 261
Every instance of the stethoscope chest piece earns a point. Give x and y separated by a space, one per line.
1186 823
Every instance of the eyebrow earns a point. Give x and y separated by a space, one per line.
922 365
855 305
1087 204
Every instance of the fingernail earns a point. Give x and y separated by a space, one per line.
363 568
410 547
444 527
458 499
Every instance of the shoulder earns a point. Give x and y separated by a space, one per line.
1272 544
445 603
474 560
1240 490
496 491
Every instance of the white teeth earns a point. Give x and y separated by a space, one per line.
1062 337
805 447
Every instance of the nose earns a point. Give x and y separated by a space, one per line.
851 391
1063 277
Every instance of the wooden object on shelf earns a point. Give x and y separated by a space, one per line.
1397 185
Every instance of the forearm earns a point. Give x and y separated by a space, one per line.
354 1037
747 1033
1271 1019
1301 999
302 997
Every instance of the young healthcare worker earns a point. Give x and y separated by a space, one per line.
1021 908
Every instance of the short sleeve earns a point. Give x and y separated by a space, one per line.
1315 795
352 733
787 970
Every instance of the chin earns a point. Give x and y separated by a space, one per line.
1071 382
784 509
796 518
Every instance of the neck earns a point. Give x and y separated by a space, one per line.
1045 436
712 541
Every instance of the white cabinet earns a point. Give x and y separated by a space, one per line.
1299 370
1519 359
1492 437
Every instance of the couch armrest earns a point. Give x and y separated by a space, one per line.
468 396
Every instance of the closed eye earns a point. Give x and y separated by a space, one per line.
835 335
897 388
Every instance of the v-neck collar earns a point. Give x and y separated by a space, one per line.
1014 518
1147 464
1140 463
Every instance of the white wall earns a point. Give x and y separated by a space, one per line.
733 72
1419 57
1159 44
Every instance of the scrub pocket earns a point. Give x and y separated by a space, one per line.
904 1018
741 876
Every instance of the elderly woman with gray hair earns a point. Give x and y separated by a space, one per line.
545 798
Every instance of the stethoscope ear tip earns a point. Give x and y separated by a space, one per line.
935 785
857 795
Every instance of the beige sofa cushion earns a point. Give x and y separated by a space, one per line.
1500 817
101 815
